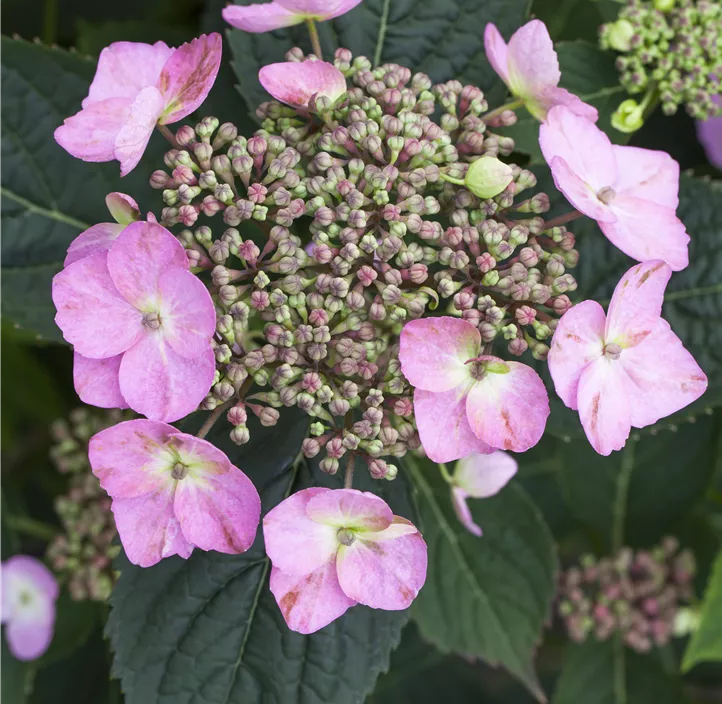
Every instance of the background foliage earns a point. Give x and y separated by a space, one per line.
207 629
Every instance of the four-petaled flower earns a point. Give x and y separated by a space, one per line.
631 192
530 68
136 87
334 548
29 592
626 369
296 82
172 492
265 17
141 325
466 402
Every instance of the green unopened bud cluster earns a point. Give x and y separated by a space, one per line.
672 47
341 225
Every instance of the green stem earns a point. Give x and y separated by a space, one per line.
165 131
451 179
50 21
622 495
382 32
512 105
315 42
212 418
29 526
445 474
348 478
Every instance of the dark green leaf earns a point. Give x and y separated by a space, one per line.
94 37
486 597
706 643
16 677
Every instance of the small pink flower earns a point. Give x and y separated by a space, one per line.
530 68
29 592
631 192
626 369
332 549
478 477
464 402
265 17
295 83
141 325
136 87
172 492
710 134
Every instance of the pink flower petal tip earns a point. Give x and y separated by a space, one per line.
295 83
265 17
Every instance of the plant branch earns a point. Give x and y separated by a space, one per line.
315 42
562 219
212 418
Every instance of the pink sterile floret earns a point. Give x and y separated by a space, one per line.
29 592
631 192
334 548
296 82
529 66
709 132
466 402
172 492
627 368
265 17
479 476
141 324
137 86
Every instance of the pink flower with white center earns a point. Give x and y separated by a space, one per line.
29 592
632 193
479 476
136 87
466 402
265 17
627 368
334 548
295 83
141 325
172 492
529 66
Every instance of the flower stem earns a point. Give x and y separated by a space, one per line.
512 105
315 43
348 478
562 219
212 418
165 131
451 179
445 473
29 526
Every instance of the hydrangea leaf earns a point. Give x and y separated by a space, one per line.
706 643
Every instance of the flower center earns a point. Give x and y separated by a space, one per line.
345 537
606 194
151 321
179 471
612 350
478 370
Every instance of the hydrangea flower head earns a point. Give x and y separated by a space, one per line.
631 192
265 17
334 548
478 476
296 82
136 87
29 592
172 492
141 325
464 401
627 368
529 66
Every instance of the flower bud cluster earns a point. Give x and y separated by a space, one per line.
340 223
674 47
635 594
84 552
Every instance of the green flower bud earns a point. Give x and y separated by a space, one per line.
619 35
487 177
628 117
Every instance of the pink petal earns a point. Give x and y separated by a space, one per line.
578 340
28 640
604 407
444 430
96 381
187 313
148 529
664 376
709 133
644 230
319 9
295 83
434 352
162 385
92 314
583 146
20 570
496 51
383 573
261 17
188 76
553 95
90 134
97 238
647 174
125 68
295 543
482 476
578 193
532 62
311 601
510 410
637 303
122 208
463 512
139 256
133 458
216 503
134 135
349 508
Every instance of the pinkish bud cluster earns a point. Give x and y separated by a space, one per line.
634 594
342 223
